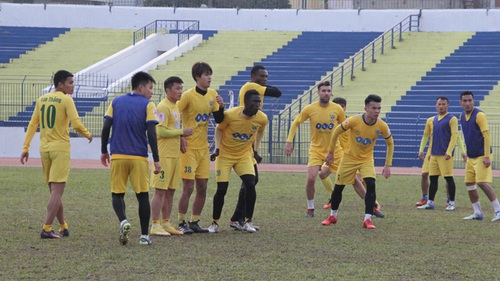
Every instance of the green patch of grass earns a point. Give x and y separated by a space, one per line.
408 244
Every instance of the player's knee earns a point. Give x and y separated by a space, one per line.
471 187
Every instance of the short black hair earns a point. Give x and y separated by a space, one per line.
324 83
249 94
372 98
466 93
199 68
443 98
141 78
339 100
170 81
256 69
61 76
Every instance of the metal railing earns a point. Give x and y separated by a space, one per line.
184 29
346 70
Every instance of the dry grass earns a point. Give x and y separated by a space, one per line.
407 244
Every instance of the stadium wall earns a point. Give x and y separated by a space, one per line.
119 17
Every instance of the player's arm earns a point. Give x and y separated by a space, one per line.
218 109
76 123
166 133
218 140
153 143
423 143
106 130
483 126
272 92
461 146
453 138
333 142
291 134
30 132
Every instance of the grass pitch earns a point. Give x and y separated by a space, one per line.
408 244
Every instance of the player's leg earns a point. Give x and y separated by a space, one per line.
188 168
312 173
167 204
139 179
56 192
250 198
434 173
223 168
324 175
119 171
367 172
158 182
202 174
484 178
446 168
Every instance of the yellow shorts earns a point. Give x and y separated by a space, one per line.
169 176
439 166
475 171
426 164
136 169
242 166
55 165
348 169
318 159
195 163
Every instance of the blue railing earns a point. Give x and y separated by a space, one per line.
184 29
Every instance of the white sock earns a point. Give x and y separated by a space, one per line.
334 213
430 202
477 208
496 205
122 222
368 217
310 204
452 203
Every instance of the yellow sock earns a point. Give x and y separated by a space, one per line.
156 221
165 221
194 218
216 221
376 202
182 217
64 226
327 182
47 228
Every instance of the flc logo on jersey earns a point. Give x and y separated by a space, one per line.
325 126
332 116
242 137
211 103
176 115
254 128
201 117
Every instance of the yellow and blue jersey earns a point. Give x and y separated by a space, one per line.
239 132
474 128
195 111
363 137
444 134
322 122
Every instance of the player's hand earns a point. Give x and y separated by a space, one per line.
329 159
421 156
447 157
105 159
24 157
220 101
184 145
288 148
486 162
386 172
90 138
464 157
157 168
257 157
214 155
187 132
